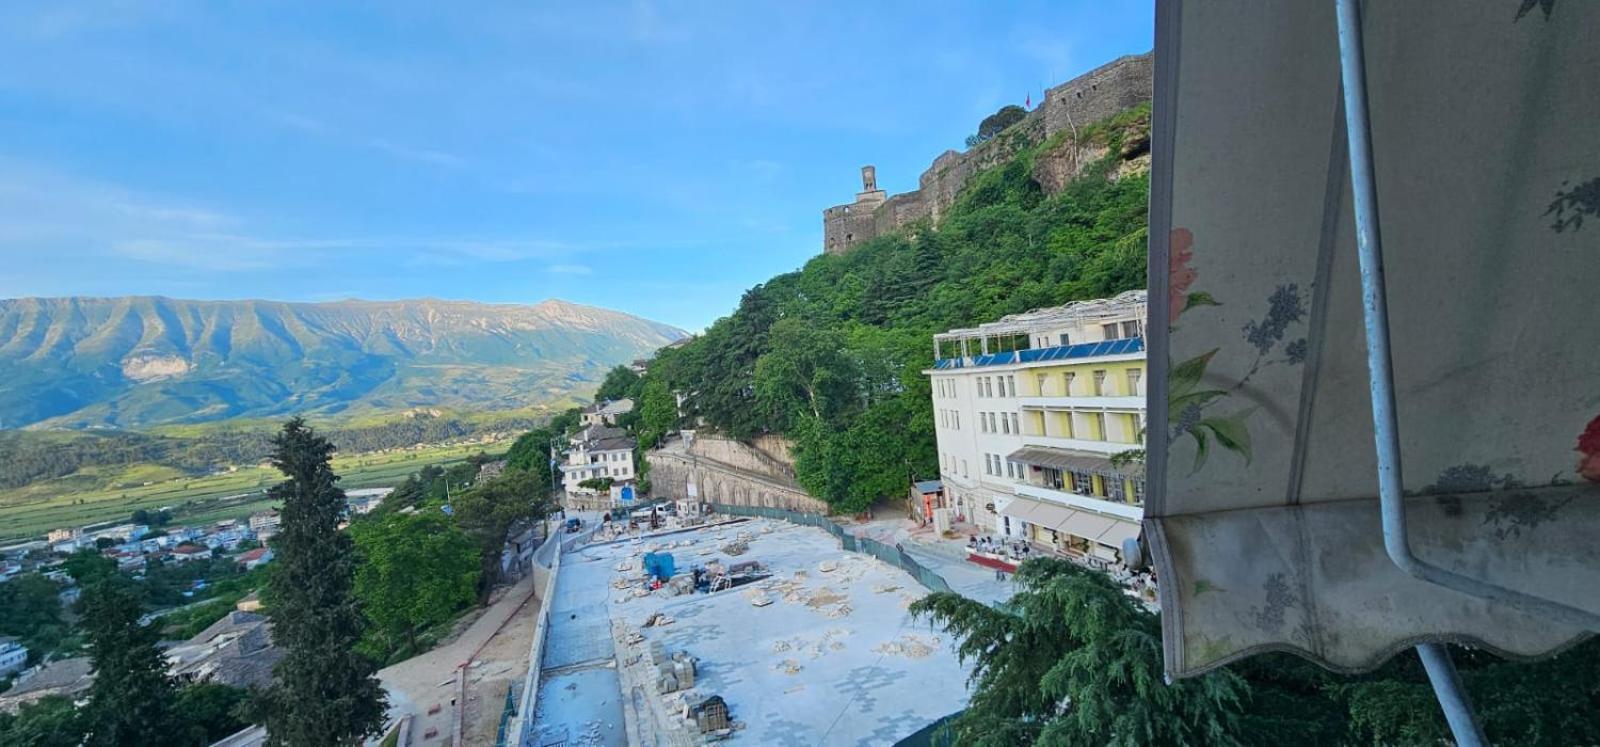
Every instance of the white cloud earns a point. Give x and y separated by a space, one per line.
570 269
47 213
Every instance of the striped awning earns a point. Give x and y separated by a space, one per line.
1074 460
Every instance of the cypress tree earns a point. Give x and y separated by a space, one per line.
323 691
131 700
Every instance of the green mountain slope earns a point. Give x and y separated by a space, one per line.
832 355
132 362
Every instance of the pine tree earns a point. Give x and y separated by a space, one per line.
323 691
1071 660
131 700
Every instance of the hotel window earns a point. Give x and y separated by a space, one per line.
1003 386
1066 383
1039 378
1134 375
1065 340
1013 381
1099 383
1110 330
957 415
1005 424
1131 329
1051 477
1082 483
1138 492
988 387
1016 427
963 468
1116 489
1100 426
991 423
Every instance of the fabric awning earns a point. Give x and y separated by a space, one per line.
1051 516
1071 459
1263 513
1020 508
1119 531
1088 525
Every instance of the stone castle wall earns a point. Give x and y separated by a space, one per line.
727 471
1117 85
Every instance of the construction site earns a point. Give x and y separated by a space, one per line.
746 630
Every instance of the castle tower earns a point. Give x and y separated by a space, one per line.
844 226
870 194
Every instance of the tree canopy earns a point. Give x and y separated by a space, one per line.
323 691
995 123
620 382
132 699
488 511
1074 661
417 570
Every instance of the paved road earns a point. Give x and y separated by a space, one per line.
580 697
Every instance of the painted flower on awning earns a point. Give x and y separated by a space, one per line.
1179 274
1589 446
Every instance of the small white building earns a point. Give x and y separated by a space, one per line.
605 413
57 536
13 656
264 524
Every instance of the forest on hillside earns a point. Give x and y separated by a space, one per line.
832 355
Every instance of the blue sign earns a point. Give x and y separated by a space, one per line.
627 492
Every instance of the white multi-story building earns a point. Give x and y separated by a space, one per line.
1030 412
598 452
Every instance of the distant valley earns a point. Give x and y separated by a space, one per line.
137 362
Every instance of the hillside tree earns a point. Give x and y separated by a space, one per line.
489 510
416 571
323 690
132 699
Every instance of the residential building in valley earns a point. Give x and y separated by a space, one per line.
1031 414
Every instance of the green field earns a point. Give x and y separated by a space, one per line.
107 495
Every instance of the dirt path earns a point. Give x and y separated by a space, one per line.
503 661
422 683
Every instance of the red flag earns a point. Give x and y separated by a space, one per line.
1029 103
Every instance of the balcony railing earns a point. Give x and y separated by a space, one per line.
1124 346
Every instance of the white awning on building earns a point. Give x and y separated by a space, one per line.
1106 530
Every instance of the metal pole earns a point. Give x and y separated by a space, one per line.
1435 658
1451 695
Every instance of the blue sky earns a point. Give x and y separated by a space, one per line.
656 158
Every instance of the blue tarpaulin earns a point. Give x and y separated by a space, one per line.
659 565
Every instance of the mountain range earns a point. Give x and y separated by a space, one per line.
142 361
